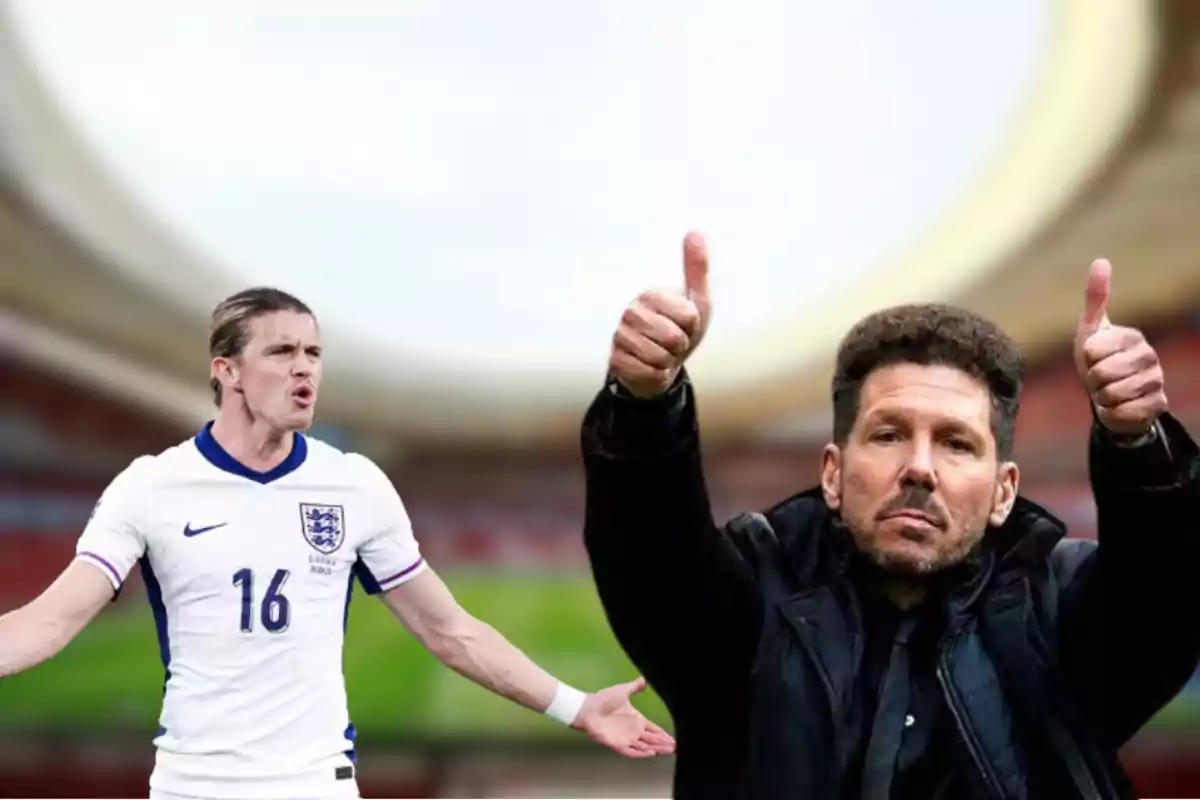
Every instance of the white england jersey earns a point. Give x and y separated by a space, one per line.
249 576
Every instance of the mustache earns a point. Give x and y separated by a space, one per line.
915 499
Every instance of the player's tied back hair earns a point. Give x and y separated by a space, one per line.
930 334
229 328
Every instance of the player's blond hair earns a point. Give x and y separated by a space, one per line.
228 330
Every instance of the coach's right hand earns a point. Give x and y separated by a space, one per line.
660 329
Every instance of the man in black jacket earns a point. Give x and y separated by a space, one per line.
911 628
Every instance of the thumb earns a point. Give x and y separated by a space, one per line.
695 272
1099 287
636 686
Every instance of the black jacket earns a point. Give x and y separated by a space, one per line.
1057 650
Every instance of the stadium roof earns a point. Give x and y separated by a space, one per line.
468 203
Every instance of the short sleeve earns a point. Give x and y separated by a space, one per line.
389 556
114 538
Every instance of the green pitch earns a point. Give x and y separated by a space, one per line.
111 676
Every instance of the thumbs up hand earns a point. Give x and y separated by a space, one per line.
1118 366
660 329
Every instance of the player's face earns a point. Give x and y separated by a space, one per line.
918 481
279 370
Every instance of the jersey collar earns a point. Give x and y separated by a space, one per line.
220 458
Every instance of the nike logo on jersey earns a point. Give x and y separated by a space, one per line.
189 531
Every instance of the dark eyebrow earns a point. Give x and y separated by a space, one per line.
887 417
944 426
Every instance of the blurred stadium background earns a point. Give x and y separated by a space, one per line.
468 195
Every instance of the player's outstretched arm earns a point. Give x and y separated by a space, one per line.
107 549
478 652
40 629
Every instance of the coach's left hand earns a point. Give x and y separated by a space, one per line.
1118 366
610 719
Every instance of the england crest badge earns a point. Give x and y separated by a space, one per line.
324 526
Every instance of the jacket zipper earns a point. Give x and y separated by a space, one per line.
960 721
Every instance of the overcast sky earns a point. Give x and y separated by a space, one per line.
491 181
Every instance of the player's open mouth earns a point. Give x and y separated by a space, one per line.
304 395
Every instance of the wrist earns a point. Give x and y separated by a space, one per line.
673 390
566 705
1134 440
1132 463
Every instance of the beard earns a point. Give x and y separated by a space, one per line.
946 552
912 551
915 551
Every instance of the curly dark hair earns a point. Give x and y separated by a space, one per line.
928 334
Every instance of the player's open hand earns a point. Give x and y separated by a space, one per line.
660 329
1118 366
609 718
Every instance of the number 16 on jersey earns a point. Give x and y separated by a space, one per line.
275 612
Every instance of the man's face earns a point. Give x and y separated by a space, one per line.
279 370
918 481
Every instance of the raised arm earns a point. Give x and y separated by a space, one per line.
677 595
1128 640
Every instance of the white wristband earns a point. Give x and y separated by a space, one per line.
566 704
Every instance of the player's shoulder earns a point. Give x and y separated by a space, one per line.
355 467
146 470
